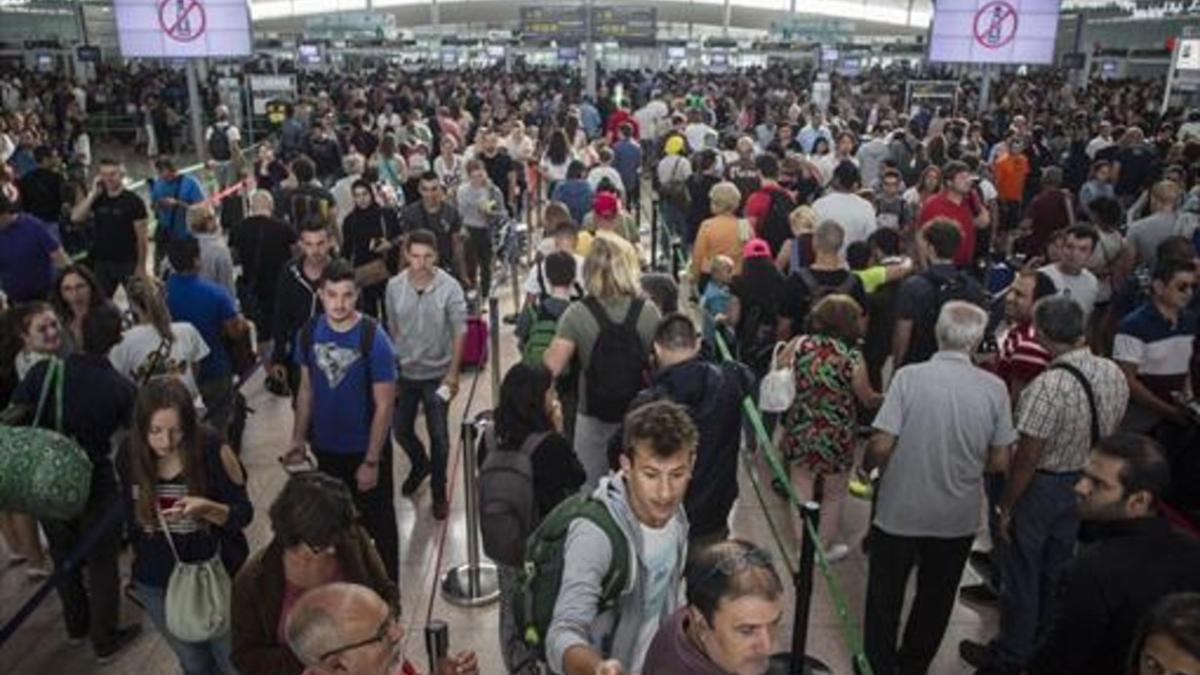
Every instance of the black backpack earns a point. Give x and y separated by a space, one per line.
616 371
219 147
507 507
817 290
775 227
957 286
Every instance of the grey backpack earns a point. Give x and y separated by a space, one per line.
507 509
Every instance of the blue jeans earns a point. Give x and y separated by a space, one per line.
1045 523
410 395
196 658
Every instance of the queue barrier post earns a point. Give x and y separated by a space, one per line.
474 583
653 235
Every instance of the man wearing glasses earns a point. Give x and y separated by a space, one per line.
349 630
734 605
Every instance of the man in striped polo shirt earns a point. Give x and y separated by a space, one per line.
1020 359
1154 347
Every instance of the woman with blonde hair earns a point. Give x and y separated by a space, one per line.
819 429
155 346
722 234
799 251
612 303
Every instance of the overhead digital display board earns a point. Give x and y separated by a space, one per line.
568 23
181 29
994 31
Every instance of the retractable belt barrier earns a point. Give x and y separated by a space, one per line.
813 554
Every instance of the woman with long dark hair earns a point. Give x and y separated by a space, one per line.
1168 642
529 407
76 292
178 472
556 159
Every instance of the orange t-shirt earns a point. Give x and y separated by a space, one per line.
1011 171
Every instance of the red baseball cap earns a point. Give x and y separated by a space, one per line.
606 204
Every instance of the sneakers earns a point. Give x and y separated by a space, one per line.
119 641
836 553
38 573
985 659
979 594
413 482
441 509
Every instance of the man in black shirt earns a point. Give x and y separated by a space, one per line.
501 169
1130 557
42 190
921 296
827 275
432 213
120 238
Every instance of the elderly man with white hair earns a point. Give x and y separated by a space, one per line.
942 424
347 629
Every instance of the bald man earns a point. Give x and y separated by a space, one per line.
347 629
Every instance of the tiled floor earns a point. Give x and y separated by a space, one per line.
428 548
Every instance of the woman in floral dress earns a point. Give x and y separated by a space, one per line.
821 426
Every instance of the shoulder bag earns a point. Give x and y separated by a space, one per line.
198 600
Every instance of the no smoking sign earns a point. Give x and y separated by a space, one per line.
182 20
996 24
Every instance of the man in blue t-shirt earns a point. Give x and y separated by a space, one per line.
171 195
344 405
212 310
29 255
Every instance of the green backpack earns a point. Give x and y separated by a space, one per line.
542 328
42 472
540 579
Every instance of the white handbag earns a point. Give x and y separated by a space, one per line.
778 388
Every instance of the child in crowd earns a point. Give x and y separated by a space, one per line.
715 301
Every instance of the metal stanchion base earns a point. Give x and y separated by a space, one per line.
781 664
456 585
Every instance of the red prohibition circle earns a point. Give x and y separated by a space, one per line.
191 9
991 24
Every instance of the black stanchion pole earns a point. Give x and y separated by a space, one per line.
798 662
653 234
803 582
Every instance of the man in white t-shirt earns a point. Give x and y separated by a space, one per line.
1070 276
562 238
650 117
844 207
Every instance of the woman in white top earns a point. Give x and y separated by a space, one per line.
556 159
448 165
155 346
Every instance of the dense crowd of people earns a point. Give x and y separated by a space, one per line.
934 307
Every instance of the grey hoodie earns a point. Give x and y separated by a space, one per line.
587 556
423 325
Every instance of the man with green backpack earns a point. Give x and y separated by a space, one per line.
537 324
586 606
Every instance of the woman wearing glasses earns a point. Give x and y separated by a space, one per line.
317 541
188 495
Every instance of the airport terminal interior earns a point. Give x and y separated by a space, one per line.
599 337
